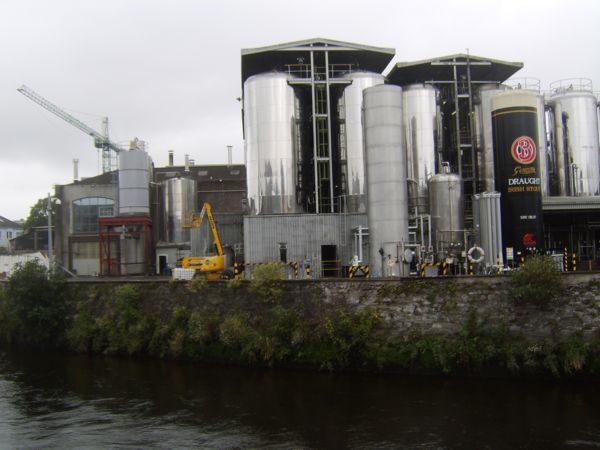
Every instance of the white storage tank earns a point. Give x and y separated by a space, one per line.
487 219
270 143
446 201
179 200
576 137
421 117
134 183
350 107
484 137
386 179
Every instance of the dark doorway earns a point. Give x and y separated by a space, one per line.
283 252
329 262
163 268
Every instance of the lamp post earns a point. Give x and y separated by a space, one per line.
49 213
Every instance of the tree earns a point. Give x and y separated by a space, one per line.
38 215
33 306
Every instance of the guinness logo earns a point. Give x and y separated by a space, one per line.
523 150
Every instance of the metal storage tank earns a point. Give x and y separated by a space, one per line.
134 182
270 144
576 137
447 216
386 179
351 105
488 222
420 130
517 169
179 200
483 120
533 85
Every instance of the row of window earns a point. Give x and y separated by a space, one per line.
86 212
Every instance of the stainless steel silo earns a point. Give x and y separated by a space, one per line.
446 200
350 107
386 179
420 111
270 144
488 223
179 200
134 182
483 135
576 138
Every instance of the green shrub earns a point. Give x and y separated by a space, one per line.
538 281
33 307
266 281
125 328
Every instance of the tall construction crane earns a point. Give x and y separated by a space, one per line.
100 140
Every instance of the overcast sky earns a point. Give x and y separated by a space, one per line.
168 72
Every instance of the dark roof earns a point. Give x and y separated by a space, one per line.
275 57
203 173
437 69
6 223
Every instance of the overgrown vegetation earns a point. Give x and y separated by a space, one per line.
268 330
266 282
538 281
33 307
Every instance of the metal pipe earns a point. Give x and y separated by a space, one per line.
314 121
329 143
187 163
50 254
171 158
229 155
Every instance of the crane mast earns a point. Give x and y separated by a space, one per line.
100 140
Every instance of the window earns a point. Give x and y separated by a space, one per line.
9 235
87 210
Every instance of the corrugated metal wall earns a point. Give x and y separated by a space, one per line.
303 236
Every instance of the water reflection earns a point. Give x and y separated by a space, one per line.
77 401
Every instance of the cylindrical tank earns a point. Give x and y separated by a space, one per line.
488 224
179 200
447 218
483 106
517 169
386 179
576 138
270 144
351 108
134 182
533 85
420 112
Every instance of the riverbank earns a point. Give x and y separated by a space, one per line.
473 326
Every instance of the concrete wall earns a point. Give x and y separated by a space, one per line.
64 236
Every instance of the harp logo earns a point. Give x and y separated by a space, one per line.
523 150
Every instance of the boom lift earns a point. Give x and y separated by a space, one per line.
211 267
100 140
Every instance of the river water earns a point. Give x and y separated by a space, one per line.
66 401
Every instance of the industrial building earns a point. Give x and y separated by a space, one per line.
446 165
